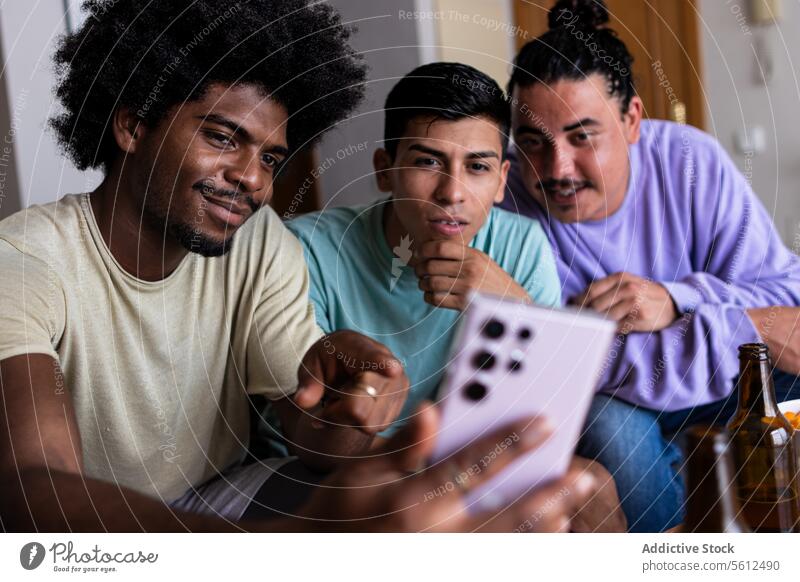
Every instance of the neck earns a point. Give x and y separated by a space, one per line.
393 230
142 249
620 199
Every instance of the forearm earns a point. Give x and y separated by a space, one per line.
54 501
700 288
689 363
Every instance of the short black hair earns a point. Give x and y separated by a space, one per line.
151 56
577 45
449 91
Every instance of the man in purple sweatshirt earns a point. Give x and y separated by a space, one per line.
653 225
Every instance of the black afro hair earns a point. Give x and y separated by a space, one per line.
151 55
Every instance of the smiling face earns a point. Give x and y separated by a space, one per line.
444 179
208 165
573 144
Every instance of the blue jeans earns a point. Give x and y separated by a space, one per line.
641 448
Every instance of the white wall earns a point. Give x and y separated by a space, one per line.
395 36
9 178
28 33
738 99
389 45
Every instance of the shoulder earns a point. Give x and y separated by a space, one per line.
510 227
332 218
42 230
18 265
327 227
696 166
263 244
667 139
513 241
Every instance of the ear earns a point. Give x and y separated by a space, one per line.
382 162
128 130
632 120
501 191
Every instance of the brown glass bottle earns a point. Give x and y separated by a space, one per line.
711 502
763 446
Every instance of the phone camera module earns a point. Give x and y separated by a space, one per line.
475 391
494 329
517 357
484 361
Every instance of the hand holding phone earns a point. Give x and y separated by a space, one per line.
511 360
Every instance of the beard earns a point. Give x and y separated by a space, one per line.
194 241
188 235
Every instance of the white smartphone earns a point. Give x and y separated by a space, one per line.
511 360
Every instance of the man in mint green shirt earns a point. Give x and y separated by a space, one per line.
399 270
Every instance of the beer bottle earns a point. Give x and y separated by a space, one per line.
764 453
712 506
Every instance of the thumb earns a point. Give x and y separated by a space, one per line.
412 446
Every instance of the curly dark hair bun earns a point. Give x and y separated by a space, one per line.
582 13
577 45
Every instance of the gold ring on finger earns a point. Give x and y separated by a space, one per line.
459 478
371 391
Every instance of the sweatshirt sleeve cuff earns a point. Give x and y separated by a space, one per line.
685 295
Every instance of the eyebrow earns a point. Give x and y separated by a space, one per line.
237 129
586 122
471 156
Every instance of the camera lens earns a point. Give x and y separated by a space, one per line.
475 391
525 333
484 361
494 329
515 365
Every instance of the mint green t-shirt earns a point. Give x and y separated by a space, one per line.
359 283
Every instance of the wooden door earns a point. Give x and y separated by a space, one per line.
662 36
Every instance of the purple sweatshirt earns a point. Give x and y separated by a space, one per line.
691 222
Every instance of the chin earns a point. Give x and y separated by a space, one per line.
569 216
204 244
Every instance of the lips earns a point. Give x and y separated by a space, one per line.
448 225
567 197
226 211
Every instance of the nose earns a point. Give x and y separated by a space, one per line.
562 166
450 190
245 172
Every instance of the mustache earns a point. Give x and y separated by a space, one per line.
553 185
208 187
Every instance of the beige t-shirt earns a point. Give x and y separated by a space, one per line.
159 372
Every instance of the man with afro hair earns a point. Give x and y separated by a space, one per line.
139 320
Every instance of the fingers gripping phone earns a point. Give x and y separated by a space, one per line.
511 360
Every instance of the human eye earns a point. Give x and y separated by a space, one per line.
531 143
479 167
426 162
219 138
271 161
584 136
